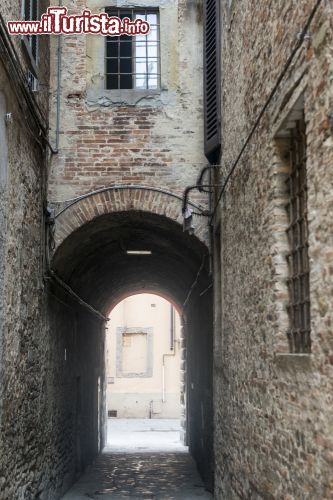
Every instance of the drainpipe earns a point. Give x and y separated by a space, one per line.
172 348
172 328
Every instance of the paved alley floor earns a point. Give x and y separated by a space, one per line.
143 460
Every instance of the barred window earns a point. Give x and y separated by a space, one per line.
30 43
134 62
298 260
30 13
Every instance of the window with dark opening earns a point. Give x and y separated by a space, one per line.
30 13
31 43
298 260
133 62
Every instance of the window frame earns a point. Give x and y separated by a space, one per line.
120 333
112 11
299 332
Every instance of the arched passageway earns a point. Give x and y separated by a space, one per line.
96 261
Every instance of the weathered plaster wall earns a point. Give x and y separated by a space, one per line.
145 391
273 410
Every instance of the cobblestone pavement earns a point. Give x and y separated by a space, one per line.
158 476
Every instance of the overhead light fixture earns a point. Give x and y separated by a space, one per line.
138 252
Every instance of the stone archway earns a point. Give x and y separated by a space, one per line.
71 214
92 238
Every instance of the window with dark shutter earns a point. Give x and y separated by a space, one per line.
212 79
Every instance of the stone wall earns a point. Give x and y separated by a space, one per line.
40 360
21 336
273 418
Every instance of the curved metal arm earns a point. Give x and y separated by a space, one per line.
73 201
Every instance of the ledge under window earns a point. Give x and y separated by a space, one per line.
292 362
129 97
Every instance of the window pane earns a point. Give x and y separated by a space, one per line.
126 81
152 36
141 38
112 49
125 13
152 66
112 38
153 82
112 65
34 47
125 65
140 82
27 10
111 81
152 18
34 10
140 49
125 48
141 67
141 60
152 49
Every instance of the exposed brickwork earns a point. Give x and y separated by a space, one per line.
121 200
273 410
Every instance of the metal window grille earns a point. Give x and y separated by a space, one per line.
134 62
298 260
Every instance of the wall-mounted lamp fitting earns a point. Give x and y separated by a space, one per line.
8 118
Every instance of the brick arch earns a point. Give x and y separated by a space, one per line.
72 215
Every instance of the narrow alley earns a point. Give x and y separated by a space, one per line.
166 249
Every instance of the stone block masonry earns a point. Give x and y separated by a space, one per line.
273 409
